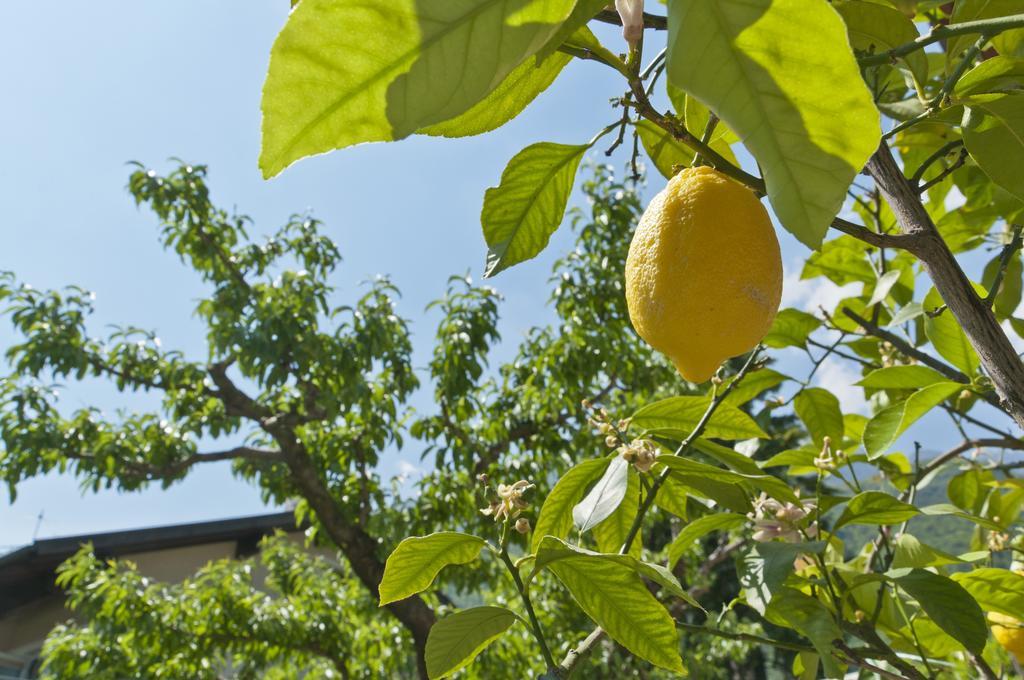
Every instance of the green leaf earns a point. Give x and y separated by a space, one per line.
819 410
673 498
994 136
666 151
457 639
765 567
809 617
344 72
946 335
779 73
949 605
996 75
875 508
417 560
507 101
901 378
875 28
604 498
521 213
555 518
753 385
908 312
884 284
912 553
842 260
887 425
677 416
734 460
611 533
791 328
688 469
996 590
611 593
699 528
574 31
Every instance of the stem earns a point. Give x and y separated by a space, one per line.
746 637
941 153
524 595
1004 260
958 72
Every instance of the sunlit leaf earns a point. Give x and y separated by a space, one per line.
521 213
778 74
417 560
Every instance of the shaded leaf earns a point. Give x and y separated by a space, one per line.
875 508
949 605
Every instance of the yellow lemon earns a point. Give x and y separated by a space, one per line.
704 272
1009 632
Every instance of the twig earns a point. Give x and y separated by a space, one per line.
745 637
1004 260
927 162
960 160
990 27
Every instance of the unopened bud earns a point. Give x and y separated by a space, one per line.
964 394
586 403
859 615
523 525
482 478
611 441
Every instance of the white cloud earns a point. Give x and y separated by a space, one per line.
407 469
838 377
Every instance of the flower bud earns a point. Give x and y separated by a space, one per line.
523 525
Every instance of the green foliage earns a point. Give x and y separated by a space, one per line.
457 639
417 560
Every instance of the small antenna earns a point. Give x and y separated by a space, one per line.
39 523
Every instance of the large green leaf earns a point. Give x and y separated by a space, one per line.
819 410
457 639
507 100
841 260
874 508
555 518
876 28
781 74
604 498
344 72
996 75
753 385
611 593
677 416
791 328
417 560
887 425
901 378
611 533
996 590
947 336
949 605
994 136
699 528
521 213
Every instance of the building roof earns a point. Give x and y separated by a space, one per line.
28 573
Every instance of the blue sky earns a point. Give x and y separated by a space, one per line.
89 86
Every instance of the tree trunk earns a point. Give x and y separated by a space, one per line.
361 551
997 355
